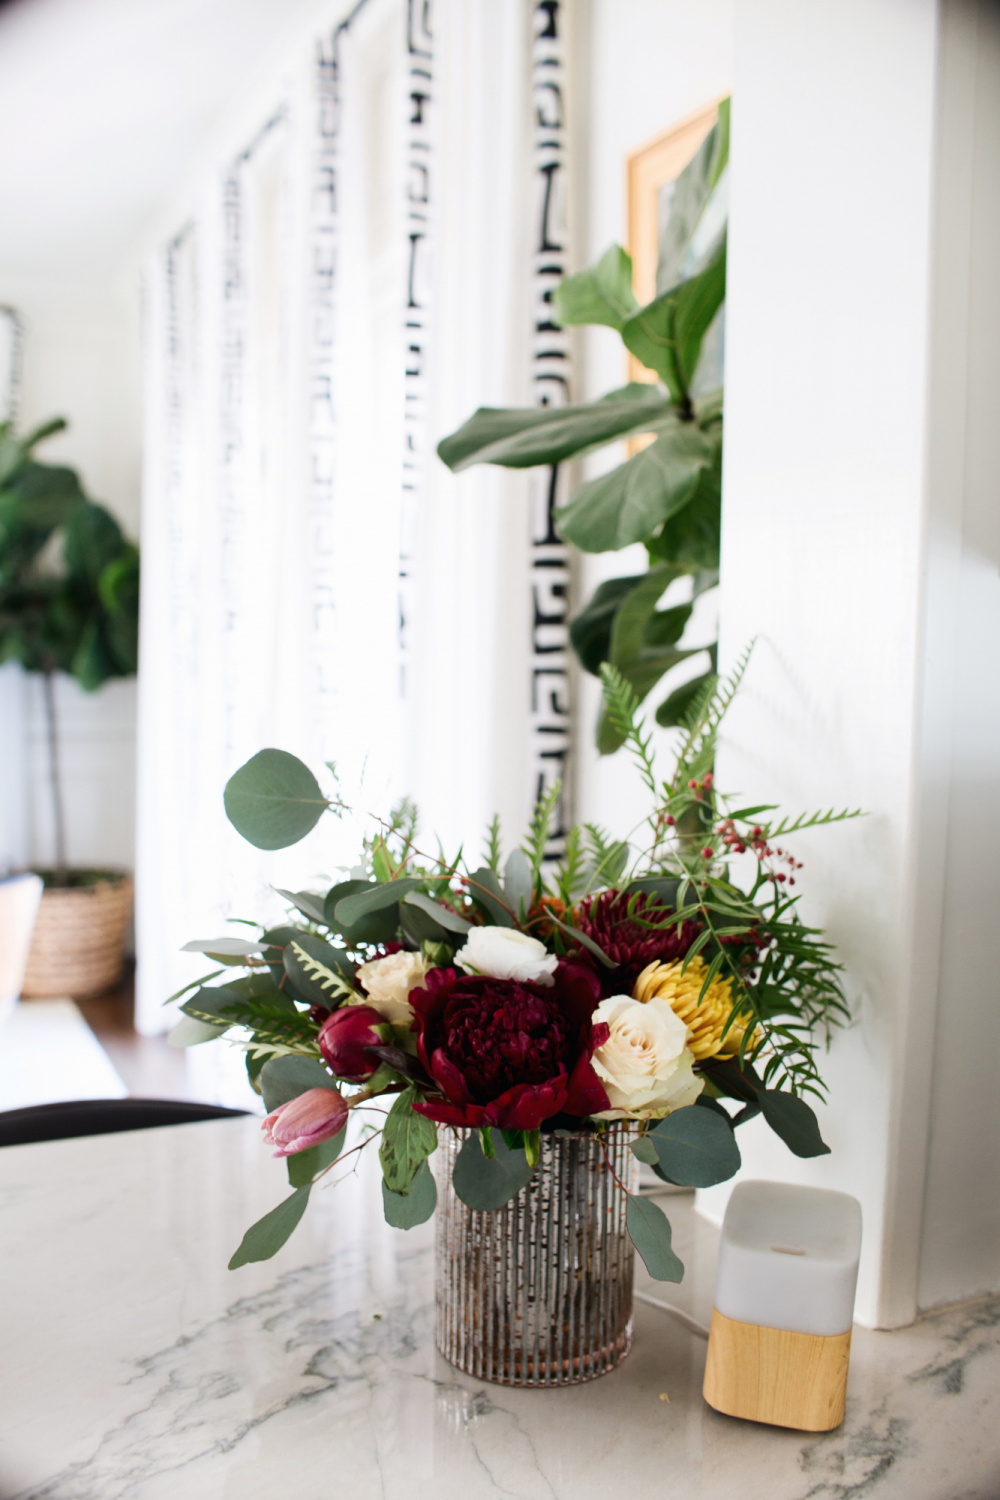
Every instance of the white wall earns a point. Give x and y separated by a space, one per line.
960 1231
641 66
81 361
860 546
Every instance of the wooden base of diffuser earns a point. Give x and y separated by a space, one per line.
770 1375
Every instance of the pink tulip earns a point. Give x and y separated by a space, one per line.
315 1116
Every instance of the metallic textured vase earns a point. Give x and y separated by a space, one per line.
539 1292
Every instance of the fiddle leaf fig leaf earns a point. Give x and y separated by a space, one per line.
666 336
522 437
629 503
274 800
602 294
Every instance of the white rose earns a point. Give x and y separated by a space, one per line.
504 953
389 982
645 1064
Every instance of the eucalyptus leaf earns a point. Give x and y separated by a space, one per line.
792 1119
351 909
487 1183
522 437
407 1210
443 915
274 800
285 1078
649 1231
407 1140
518 885
377 927
309 903
695 1148
266 1237
304 1165
223 947
190 1033
644 1150
487 892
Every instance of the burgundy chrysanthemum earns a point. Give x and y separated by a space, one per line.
630 943
509 1054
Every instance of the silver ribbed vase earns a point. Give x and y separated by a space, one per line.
539 1292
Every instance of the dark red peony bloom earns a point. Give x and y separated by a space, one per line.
631 944
509 1054
343 1039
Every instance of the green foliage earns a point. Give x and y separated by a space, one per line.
539 831
601 295
274 800
76 609
494 850
783 976
317 972
695 1148
792 1119
649 1231
305 1166
415 1206
285 1078
407 1141
266 1237
667 495
488 1182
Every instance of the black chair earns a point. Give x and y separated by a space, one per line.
73 1117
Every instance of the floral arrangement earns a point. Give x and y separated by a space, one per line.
518 998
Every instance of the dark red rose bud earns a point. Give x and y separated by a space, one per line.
343 1039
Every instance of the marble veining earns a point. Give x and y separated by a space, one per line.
136 1367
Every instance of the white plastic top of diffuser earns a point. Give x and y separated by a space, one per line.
788 1258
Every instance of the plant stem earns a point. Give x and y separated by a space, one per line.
57 802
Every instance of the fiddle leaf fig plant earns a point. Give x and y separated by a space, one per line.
69 585
667 495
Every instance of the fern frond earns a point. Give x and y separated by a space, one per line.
328 979
813 820
539 830
494 848
571 873
622 708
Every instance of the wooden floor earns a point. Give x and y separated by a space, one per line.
146 1065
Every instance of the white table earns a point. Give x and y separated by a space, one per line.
136 1367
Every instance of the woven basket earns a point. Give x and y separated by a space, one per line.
78 946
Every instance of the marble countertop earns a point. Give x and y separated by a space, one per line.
137 1367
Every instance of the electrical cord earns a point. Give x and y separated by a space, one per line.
691 1324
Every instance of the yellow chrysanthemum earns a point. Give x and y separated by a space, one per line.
704 1021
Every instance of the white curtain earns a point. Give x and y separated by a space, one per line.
348 287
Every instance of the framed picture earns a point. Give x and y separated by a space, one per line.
652 172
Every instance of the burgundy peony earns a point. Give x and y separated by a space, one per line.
343 1039
507 1053
630 943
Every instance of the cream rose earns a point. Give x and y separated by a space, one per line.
504 953
388 982
645 1064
